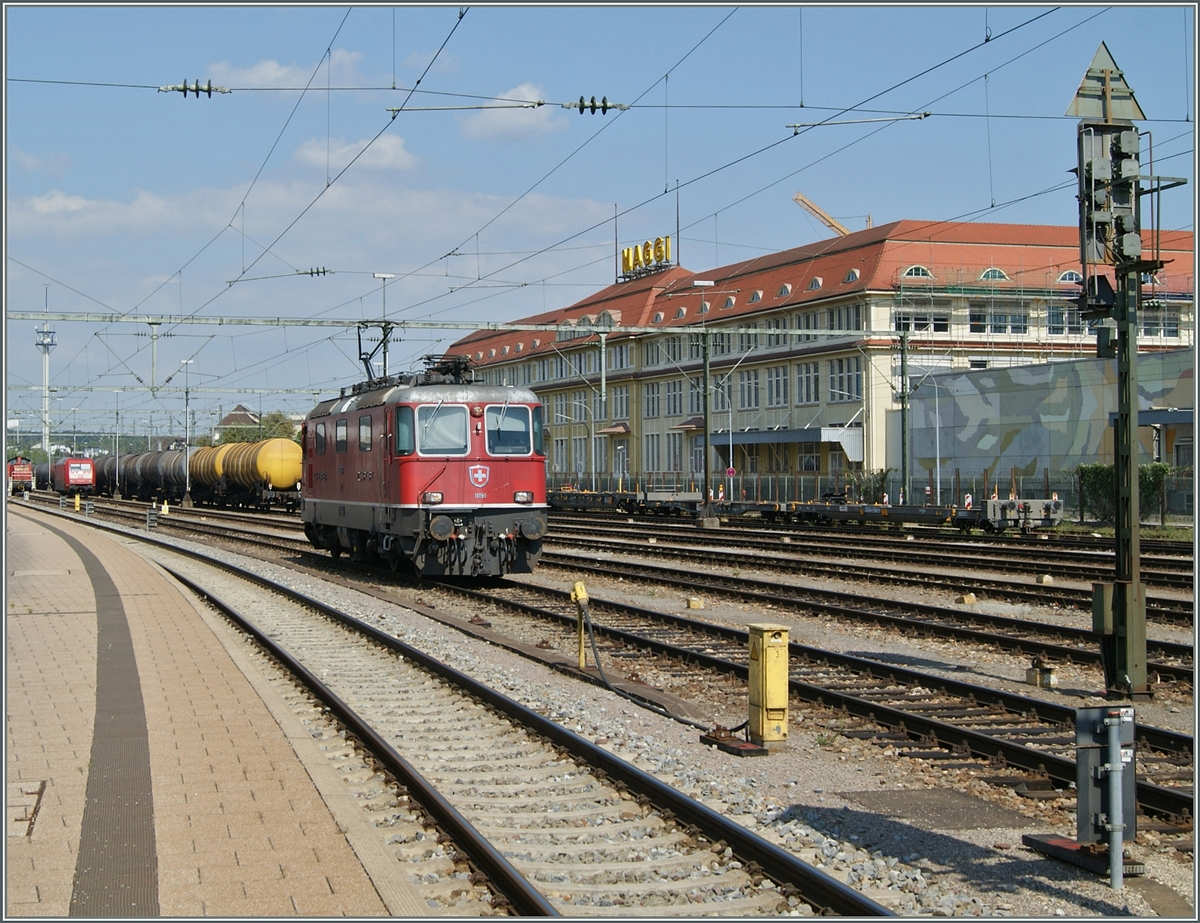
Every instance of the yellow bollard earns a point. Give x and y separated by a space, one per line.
580 598
77 503
768 685
165 508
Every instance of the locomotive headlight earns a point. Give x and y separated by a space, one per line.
523 496
432 496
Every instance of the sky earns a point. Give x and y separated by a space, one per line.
124 199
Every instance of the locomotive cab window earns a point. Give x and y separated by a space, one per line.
319 438
339 436
364 434
442 429
508 430
539 437
405 443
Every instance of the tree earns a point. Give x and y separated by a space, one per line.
272 425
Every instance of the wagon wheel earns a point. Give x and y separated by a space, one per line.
394 559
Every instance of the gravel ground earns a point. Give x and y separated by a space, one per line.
804 797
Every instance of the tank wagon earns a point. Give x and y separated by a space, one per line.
432 473
255 475
74 476
20 474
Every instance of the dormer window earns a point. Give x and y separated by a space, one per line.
917 272
658 317
994 275
680 312
491 354
703 307
815 283
729 302
851 276
756 297
784 290
520 347
535 344
479 356
1071 276
504 351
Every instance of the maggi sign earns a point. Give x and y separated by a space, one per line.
646 254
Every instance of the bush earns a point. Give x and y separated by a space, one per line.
1098 488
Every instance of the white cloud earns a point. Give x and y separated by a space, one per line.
54 164
387 153
506 124
269 73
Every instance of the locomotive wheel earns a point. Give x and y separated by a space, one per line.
335 552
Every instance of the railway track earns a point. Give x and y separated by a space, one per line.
713 552
557 824
944 717
1030 559
959 719
1173 662
1056 540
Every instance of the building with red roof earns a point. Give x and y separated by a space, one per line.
805 349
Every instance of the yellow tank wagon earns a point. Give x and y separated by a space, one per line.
248 474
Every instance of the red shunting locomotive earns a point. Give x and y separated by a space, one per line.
436 475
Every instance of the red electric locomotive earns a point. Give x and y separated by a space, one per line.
433 473
74 476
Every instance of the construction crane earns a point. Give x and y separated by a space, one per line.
824 217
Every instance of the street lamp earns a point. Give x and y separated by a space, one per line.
386 332
187 433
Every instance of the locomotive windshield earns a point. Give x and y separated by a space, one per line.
508 430
443 429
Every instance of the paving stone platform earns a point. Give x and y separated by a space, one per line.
238 826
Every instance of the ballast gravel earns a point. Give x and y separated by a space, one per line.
803 797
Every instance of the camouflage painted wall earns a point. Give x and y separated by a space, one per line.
1053 415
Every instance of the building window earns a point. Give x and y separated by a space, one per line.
851 276
977 319
680 312
674 451
777 458
747 342
695 396
579 454
917 272
808 322
364 434
815 284
845 379
729 302
1063 319
558 461
695 346
748 390
722 396
721 344
994 275
618 356
652 399
658 317
620 402
578 407
784 290
756 297
938 323
810 459
777 386
652 443
1071 275
808 383
1160 321
703 307
844 317
675 399
977 363
777 338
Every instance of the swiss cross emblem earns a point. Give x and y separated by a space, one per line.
479 475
